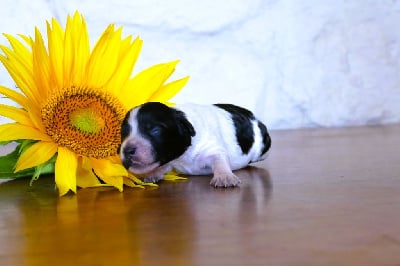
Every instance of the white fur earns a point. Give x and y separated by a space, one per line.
215 135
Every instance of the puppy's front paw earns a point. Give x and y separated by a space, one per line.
152 179
225 180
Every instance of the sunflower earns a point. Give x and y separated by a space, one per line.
72 100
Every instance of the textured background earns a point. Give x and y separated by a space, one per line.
294 63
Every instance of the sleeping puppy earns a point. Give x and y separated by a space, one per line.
192 139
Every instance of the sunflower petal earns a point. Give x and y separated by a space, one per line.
139 89
85 176
129 182
16 114
81 45
55 36
109 172
69 53
41 68
127 59
16 131
36 118
37 154
20 49
27 39
140 182
169 90
20 55
173 177
65 171
115 181
18 63
105 167
104 58
15 96
23 80
76 50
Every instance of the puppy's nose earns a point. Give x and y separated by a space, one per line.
129 152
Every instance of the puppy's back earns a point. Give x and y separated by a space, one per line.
244 137
251 133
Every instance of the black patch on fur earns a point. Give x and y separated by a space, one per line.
265 136
125 130
242 119
167 129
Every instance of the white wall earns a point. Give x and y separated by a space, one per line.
294 63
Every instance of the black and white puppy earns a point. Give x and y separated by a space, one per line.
192 139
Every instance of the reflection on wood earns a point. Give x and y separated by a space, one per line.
322 197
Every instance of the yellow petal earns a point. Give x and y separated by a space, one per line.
36 117
27 39
65 171
15 96
139 89
18 63
104 58
115 181
82 49
16 131
16 114
69 54
41 68
129 182
140 182
109 172
85 176
32 109
20 54
127 58
115 159
76 50
23 79
169 90
173 177
55 36
105 167
37 154
21 50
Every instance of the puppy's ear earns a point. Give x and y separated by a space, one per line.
184 126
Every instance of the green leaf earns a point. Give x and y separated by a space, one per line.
4 142
46 168
7 165
25 144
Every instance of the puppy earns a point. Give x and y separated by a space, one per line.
192 139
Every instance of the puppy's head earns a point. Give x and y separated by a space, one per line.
153 134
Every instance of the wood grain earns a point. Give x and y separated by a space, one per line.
323 197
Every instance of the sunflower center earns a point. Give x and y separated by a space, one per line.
85 120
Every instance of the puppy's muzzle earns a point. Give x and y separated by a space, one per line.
129 155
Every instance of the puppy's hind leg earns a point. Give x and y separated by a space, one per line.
223 176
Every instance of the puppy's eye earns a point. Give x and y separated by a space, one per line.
155 131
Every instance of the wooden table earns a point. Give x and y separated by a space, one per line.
323 197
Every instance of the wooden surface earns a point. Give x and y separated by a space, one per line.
323 197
